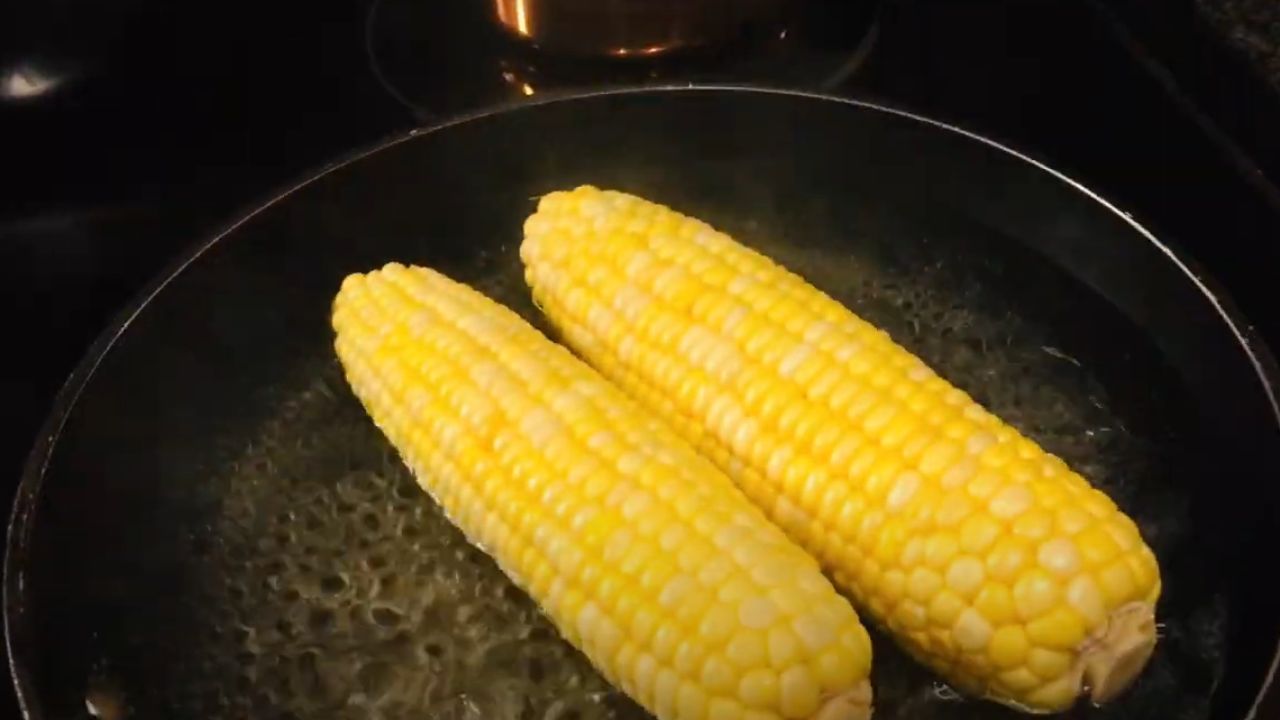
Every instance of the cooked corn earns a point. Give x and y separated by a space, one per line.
986 557
645 556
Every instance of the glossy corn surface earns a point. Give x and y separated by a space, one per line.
645 556
986 557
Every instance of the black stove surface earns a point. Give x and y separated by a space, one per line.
130 134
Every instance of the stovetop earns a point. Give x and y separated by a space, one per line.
130 134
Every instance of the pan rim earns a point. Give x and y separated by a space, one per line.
22 514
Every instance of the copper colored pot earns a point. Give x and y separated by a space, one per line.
624 28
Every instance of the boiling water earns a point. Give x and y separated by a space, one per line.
332 587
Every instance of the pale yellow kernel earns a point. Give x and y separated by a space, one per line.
725 709
1060 557
954 427
1033 525
1124 532
1008 647
892 586
915 437
984 484
772 571
665 692
1011 501
1085 598
664 641
1048 664
995 602
719 622
977 533
903 489
618 545
736 590
1140 570
718 676
910 615
940 549
625 660
939 458
644 675
695 556
789 599
673 537
638 503
971 631
784 647
712 573
609 636
1097 504
959 474
954 507
747 649
811 490
656 570
855 641
571 602
1071 520
1058 694
861 466
689 656
813 632
979 441
676 591
876 421
1008 558
1096 545
1019 680
779 462
798 693
945 607
842 451
1061 628
1003 452
922 583
1150 575
691 701
841 396
759 688
966 575
1117 582
891 538
758 612
1034 593
730 536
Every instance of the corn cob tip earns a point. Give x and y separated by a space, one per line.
1113 658
852 704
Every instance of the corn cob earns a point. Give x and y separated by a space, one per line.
644 555
984 556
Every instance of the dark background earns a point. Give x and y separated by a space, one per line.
130 130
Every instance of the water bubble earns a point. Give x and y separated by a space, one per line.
333 584
385 616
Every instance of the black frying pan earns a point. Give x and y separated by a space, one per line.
210 528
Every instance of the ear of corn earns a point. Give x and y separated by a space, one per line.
986 557
644 555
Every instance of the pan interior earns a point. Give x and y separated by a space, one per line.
223 534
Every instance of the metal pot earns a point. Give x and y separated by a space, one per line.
624 28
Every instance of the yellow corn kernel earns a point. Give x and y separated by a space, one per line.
945 523
645 556
1009 647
